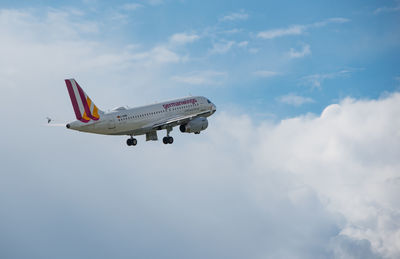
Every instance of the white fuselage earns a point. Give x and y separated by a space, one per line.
137 121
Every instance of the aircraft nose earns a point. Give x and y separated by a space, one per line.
68 126
214 108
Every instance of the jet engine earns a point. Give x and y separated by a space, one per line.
195 126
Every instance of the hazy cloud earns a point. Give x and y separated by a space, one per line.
235 16
386 9
157 55
232 31
328 21
154 2
275 33
254 50
316 80
243 44
295 100
222 47
298 29
299 54
183 38
266 73
131 6
202 78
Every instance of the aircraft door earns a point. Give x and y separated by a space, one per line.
111 122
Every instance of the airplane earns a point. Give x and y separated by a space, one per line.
189 113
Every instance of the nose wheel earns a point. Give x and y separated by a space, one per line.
131 142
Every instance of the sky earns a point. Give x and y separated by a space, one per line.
299 161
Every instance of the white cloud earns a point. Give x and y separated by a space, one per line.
63 46
235 16
386 9
61 27
299 54
254 50
154 2
89 2
347 150
306 187
298 29
118 17
131 6
316 80
243 44
222 47
55 24
266 73
275 33
208 77
337 20
157 55
328 21
232 31
295 100
183 38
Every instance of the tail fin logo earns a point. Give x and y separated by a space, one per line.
85 110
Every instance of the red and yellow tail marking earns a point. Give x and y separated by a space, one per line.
85 110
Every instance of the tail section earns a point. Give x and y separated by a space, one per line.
85 110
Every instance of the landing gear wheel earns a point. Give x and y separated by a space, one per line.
165 140
168 140
131 142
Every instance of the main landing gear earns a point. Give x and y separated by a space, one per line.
131 141
168 139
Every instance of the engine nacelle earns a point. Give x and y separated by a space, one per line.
195 125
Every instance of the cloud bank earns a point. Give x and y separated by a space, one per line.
307 187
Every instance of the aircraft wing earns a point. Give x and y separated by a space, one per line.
172 122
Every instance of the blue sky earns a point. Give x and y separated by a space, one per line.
340 49
299 161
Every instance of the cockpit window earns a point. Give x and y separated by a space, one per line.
208 101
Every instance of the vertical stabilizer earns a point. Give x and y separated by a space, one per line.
85 110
